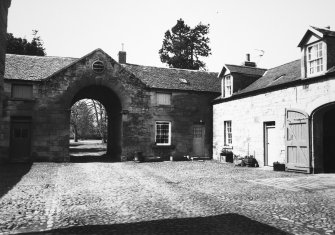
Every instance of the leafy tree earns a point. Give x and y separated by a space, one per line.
182 46
100 118
81 120
22 46
88 120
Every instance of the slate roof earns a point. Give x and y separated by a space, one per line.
247 70
325 32
174 79
279 75
34 68
37 68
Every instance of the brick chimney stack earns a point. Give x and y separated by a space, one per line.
248 62
122 57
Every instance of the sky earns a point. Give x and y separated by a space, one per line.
74 28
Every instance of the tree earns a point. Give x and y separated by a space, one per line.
22 46
81 120
100 119
182 46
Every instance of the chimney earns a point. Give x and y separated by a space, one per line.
122 57
247 57
248 62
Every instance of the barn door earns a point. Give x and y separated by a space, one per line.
297 141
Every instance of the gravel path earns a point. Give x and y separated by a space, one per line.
162 198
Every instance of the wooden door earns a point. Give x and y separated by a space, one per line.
199 140
270 144
20 141
297 141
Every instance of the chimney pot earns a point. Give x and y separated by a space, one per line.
122 57
247 57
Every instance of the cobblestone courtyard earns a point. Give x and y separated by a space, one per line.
163 198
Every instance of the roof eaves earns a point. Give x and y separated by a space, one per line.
74 62
310 30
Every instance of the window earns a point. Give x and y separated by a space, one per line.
197 132
228 85
163 133
22 91
315 59
228 137
163 99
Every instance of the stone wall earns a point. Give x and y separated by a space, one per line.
4 5
249 114
131 107
186 110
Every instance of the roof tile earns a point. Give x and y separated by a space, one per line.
279 75
169 78
34 68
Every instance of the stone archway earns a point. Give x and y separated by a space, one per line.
113 106
323 138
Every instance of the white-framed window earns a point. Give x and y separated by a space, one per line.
163 133
22 91
163 98
228 85
315 59
228 136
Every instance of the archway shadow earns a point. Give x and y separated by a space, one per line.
220 224
11 174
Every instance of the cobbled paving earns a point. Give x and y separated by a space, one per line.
163 198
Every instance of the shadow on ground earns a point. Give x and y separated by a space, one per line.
90 158
220 224
11 174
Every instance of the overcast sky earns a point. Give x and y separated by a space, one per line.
74 28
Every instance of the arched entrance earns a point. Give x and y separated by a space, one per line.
323 120
113 106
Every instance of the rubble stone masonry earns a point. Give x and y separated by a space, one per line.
248 115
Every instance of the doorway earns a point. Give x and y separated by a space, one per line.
199 140
329 141
88 131
112 116
20 139
269 143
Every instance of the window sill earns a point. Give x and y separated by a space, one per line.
228 146
155 146
316 75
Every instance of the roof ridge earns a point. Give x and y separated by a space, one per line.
249 67
46 56
323 28
169 68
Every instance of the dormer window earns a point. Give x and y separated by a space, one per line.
228 85
315 60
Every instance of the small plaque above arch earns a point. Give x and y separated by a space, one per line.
98 66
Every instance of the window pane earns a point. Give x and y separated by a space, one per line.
197 132
228 133
162 132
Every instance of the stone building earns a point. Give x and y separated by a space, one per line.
158 111
4 5
287 114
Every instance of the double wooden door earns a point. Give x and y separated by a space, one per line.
297 141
